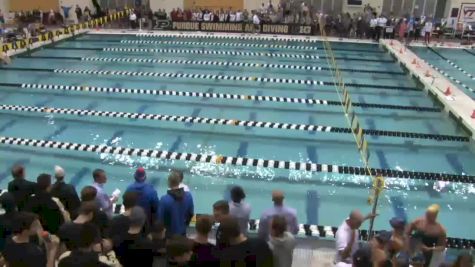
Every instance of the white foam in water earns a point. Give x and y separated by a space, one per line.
50 118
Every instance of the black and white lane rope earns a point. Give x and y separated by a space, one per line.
233 53
252 45
229 64
453 64
458 82
263 98
213 77
237 161
233 122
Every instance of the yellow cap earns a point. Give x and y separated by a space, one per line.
434 208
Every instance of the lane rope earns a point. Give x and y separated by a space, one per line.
237 161
451 77
212 77
233 53
232 122
220 77
451 63
263 98
274 46
229 64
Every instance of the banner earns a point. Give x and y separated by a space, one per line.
467 13
237 27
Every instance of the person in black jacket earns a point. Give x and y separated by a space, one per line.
7 201
66 193
42 204
20 187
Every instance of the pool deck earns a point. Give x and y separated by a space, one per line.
456 103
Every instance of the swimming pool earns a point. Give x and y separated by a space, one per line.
243 103
454 63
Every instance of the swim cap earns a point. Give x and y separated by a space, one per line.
434 208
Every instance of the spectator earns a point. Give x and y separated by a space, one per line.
147 195
380 25
427 31
204 252
347 237
464 260
373 26
83 254
87 13
398 239
159 241
133 20
239 209
279 208
19 251
69 233
240 250
430 234
105 202
181 176
66 193
403 26
361 257
220 210
136 247
120 224
282 243
78 12
101 220
176 207
49 212
179 251
378 249
7 202
20 187
257 23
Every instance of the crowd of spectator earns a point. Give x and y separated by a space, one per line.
49 224
367 24
46 223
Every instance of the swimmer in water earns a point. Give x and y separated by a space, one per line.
428 233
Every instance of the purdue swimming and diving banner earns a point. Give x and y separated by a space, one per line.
242 27
51 35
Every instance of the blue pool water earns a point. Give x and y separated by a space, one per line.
458 63
321 198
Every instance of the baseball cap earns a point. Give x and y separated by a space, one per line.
140 174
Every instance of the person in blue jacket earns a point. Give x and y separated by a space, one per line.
147 195
176 207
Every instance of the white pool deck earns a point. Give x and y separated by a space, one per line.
458 103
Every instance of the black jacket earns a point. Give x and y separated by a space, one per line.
47 210
67 194
21 190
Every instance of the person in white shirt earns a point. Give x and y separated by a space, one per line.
207 16
232 17
239 16
222 16
257 23
133 20
372 26
427 31
380 25
347 238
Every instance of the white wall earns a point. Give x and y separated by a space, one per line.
4 6
376 4
167 4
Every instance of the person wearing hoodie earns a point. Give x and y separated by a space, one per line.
148 197
176 207
281 242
